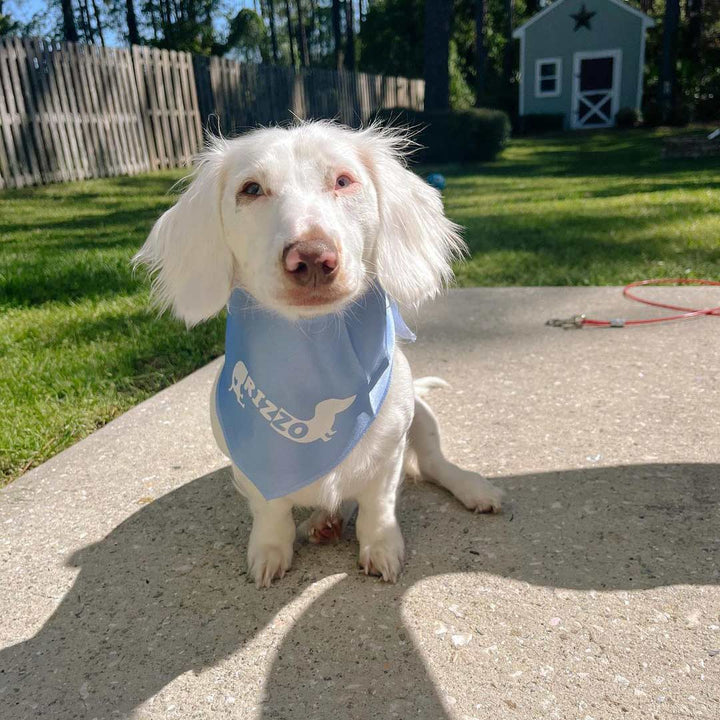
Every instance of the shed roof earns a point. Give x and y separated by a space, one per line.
647 21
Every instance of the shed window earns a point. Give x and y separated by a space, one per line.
547 77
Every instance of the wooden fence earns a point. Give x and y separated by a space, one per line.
71 111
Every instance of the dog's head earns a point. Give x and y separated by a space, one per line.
304 219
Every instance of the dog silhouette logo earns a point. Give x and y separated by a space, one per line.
319 427
239 376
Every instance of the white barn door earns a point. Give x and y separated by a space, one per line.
596 88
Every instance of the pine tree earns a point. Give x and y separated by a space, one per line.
438 17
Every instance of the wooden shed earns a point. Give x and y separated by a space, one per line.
584 60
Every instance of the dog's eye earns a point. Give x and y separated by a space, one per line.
343 181
252 189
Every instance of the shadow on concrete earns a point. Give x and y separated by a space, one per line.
165 592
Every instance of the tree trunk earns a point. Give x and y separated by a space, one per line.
349 36
290 33
98 22
509 50
189 10
668 74
133 33
313 27
164 14
694 12
85 24
70 33
302 36
273 33
154 24
337 34
438 16
480 51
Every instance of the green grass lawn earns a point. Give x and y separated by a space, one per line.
79 345
590 209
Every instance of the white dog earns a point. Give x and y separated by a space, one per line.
305 220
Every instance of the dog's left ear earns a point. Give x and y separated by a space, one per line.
416 243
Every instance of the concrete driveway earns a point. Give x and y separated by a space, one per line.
596 594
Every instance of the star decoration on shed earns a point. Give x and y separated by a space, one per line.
582 18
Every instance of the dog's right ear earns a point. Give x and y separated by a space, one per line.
416 242
186 252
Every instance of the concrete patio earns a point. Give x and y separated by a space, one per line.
596 594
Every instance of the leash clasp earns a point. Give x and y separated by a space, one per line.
574 322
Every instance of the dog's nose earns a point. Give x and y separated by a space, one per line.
311 262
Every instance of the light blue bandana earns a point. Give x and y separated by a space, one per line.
294 398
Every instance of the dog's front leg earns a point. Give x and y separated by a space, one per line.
270 547
381 543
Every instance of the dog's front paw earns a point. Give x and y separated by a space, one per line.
268 561
383 553
477 494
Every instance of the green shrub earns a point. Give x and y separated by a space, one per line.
627 117
679 115
472 135
707 107
536 124
707 101
652 115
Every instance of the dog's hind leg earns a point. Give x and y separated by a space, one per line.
471 489
324 527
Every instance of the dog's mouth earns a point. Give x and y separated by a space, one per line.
317 298
320 300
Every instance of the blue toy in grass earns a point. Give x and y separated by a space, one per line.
436 180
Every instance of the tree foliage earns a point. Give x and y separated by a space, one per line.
247 38
391 38
9 26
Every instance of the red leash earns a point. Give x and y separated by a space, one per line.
580 321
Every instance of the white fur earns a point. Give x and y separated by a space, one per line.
391 228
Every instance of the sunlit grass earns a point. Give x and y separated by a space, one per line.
78 342
587 209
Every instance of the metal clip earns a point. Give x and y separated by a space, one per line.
572 323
